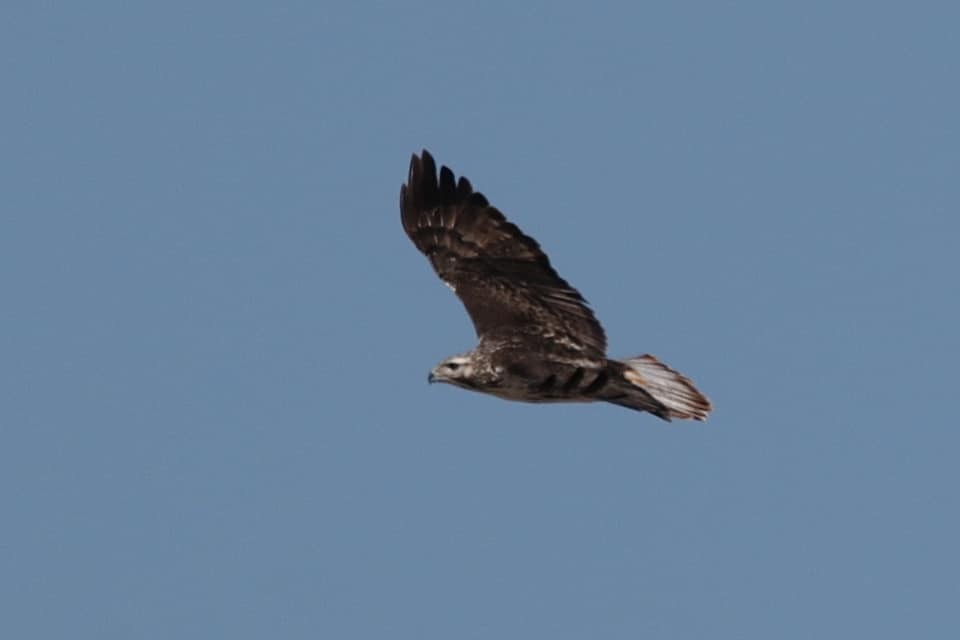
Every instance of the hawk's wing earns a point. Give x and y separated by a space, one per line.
503 278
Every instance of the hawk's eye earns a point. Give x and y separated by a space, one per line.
453 366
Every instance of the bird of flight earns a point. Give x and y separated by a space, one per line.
539 341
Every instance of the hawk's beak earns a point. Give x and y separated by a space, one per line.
431 378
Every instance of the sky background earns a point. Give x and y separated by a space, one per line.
214 415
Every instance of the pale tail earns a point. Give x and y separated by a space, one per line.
674 394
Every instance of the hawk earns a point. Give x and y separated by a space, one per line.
538 339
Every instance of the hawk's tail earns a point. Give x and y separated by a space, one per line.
652 386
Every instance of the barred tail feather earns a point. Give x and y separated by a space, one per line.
672 391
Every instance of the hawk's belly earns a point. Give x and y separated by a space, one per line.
564 383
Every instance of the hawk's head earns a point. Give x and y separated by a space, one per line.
458 370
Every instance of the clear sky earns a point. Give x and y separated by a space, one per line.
214 414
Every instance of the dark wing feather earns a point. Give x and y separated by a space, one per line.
503 278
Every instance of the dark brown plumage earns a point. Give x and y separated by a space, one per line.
539 341
501 275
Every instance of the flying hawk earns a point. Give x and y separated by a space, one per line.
539 341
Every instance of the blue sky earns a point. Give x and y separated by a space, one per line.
215 420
